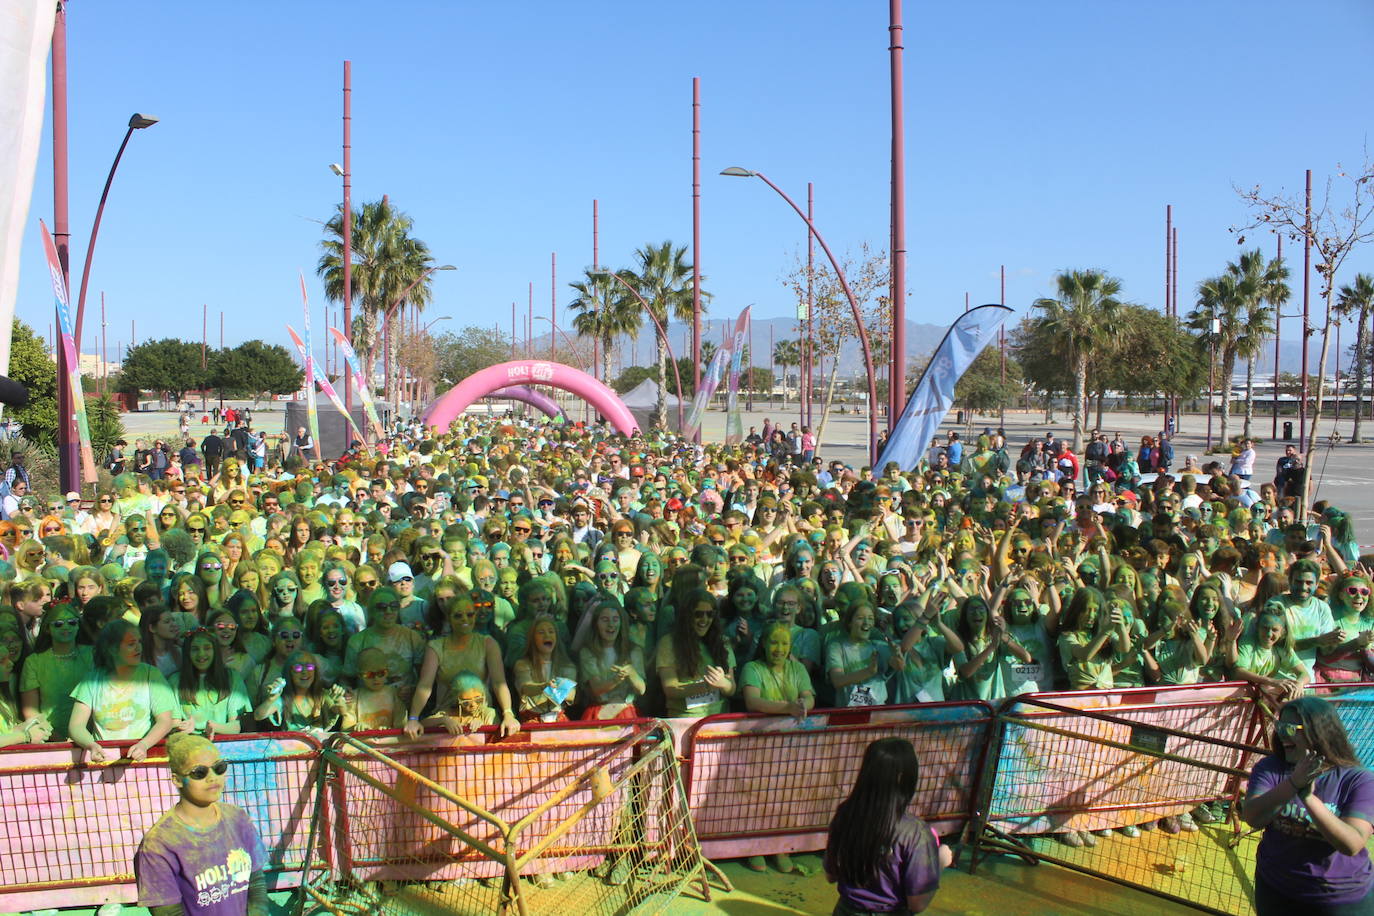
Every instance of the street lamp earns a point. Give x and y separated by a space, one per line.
662 335
737 172
68 445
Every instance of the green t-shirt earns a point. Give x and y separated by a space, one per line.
1177 660
1271 662
125 711
55 678
1091 674
705 702
209 707
785 688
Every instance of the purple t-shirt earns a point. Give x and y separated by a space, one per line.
911 868
1297 860
205 871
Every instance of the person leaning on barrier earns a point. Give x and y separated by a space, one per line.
1315 803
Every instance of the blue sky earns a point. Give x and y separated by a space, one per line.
1039 136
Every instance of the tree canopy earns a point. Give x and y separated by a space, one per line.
256 367
456 356
167 366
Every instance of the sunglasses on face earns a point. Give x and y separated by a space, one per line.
404 579
371 674
289 634
199 530
1357 590
212 566
336 583
367 583
227 627
65 623
106 499
521 529
1287 729
219 768
387 606
303 669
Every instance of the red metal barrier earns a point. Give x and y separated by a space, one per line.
68 831
1064 763
377 840
761 784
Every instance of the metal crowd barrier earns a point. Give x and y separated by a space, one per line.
69 831
760 784
1101 761
1010 780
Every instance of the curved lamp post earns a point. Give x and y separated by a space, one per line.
737 172
67 444
386 325
662 334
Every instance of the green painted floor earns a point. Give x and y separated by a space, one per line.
1002 887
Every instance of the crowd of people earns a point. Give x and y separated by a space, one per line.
505 571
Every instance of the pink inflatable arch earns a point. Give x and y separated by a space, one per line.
529 372
536 399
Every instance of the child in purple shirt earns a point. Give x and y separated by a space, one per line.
884 859
203 857
1316 805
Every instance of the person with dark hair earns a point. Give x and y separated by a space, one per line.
1315 803
884 859
694 662
122 699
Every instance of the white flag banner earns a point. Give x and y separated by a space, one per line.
25 36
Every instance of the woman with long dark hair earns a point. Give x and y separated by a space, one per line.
884 859
1315 803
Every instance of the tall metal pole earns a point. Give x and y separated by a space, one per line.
1168 288
772 379
1306 315
68 452
347 215
596 338
808 352
1278 331
896 385
1173 260
696 238
1002 347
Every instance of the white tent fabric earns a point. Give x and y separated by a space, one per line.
25 36
641 401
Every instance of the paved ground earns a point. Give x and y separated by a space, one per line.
1343 473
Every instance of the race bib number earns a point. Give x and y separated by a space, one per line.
699 701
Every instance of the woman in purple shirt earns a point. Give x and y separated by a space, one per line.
884 859
1316 805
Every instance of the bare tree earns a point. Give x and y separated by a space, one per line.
1334 229
833 319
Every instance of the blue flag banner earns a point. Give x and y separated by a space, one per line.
934 394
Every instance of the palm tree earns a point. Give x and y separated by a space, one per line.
664 279
386 261
604 311
1080 318
1220 318
786 353
1358 298
1265 286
